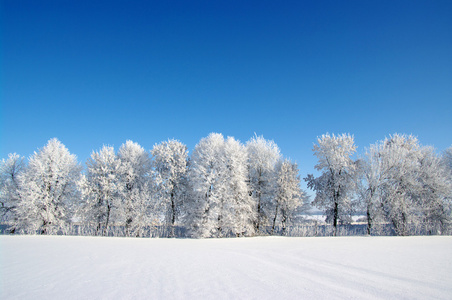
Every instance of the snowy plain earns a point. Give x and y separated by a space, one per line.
64 267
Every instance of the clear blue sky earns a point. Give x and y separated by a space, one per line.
101 72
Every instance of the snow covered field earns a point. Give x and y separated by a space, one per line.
64 267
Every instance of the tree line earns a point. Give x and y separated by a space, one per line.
225 188
397 182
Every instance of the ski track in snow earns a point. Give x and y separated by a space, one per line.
63 267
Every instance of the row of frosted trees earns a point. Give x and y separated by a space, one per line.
224 188
397 182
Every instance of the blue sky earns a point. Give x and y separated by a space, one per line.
101 72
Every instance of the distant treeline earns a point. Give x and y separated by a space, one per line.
226 188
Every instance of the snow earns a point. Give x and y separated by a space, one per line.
64 267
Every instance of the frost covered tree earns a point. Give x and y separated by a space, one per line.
369 183
48 189
434 190
220 204
207 187
405 184
289 196
400 156
170 159
263 156
101 189
239 211
136 202
10 185
335 187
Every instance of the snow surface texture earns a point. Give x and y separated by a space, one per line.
64 267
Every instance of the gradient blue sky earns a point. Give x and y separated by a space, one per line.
101 72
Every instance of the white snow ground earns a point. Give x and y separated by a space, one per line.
63 267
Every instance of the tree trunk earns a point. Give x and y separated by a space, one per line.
369 219
44 229
220 229
283 222
274 219
173 215
105 232
335 217
258 213
336 210
99 225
